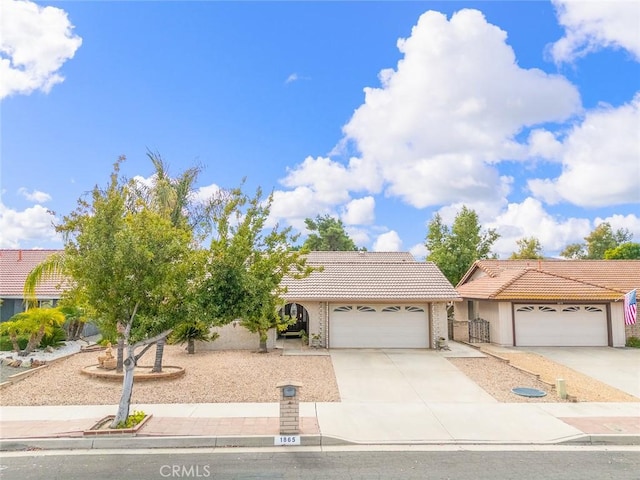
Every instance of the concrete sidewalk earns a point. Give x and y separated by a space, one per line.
257 424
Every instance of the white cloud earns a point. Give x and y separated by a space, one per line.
600 160
36 196
388 242
592 25
452 108
419 251
35 42
529 219
544 144
33 225
359 211
203 194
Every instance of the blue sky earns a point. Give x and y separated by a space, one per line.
379 113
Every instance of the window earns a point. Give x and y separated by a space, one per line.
571 309
395 308
345 308
528 308
544 308
365 309
593 309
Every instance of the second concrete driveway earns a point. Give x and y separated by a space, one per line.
618 367
402 376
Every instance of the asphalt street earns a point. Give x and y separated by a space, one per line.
584 463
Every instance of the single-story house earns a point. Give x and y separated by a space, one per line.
550 302
15 265
371 300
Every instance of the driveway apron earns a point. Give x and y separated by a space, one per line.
402 376
618 367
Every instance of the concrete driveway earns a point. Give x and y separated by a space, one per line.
618 367
402 376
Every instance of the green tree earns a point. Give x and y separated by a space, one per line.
601 239
624 251
327 234
34 323
528 248
246 266
455 249
130 264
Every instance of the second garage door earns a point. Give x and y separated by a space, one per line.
561 326
378 326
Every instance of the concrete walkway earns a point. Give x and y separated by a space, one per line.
251 424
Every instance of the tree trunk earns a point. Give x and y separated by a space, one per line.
120 354
157 365
127 389
191 346
263 341
14 342
34 341
75 330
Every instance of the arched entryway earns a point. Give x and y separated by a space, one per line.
300 319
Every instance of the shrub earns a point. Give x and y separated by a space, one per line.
6 346
132 420
55 339
633 342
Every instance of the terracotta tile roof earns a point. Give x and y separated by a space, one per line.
371 276
550 279
15 265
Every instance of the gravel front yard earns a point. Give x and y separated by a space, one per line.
210 377
583 387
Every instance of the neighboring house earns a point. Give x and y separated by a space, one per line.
15 265
550 302
371 300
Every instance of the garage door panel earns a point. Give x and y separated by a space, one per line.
560 326
377 329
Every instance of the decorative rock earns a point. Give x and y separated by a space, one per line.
49 349
15 363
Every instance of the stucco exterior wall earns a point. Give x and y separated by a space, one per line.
618 328
236 338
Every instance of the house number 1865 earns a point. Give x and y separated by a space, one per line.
287 440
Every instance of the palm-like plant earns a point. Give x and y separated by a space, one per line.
36 323
191 331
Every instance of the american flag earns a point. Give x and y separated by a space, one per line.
630 308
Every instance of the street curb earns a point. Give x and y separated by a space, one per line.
141 442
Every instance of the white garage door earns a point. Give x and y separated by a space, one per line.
561 325
378 326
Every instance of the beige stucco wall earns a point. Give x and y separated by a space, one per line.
236 337
618 330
